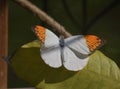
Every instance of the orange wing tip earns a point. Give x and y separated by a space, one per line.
93 42
40 33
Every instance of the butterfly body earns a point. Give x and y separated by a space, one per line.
72 53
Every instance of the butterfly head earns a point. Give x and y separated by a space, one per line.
94 42
40 32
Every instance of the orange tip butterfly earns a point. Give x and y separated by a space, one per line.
72 52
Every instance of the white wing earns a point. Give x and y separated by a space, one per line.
52 56
50 50
72 62
50 40
78 45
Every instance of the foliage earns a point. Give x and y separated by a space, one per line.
100 73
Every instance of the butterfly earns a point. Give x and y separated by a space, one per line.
72 52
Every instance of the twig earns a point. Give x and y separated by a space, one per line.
43 16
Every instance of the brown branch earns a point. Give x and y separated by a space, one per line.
43 16
3 42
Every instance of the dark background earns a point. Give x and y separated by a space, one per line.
99 17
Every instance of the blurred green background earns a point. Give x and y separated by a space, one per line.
103 16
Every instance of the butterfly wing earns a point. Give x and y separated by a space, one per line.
77 44
46 37
50 50
52 56
77 50
84 44
72 62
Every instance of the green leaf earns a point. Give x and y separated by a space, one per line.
100 73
